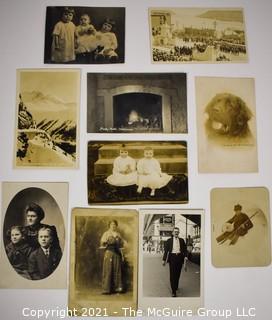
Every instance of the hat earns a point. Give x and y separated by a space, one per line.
237 207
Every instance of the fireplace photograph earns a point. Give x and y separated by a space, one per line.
136 103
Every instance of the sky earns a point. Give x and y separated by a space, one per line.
63 84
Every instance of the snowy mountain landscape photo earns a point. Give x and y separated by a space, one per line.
47 118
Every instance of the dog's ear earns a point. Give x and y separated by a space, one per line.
241 114
244 113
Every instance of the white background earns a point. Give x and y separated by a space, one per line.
22 25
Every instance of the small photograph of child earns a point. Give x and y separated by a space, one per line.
137 171
33 235
84 35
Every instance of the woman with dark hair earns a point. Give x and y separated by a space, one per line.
34 215
113 258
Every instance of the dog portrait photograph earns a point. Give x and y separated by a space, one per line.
226 124
201 35
103 263
84 35
33 246
47 105
137 172
137 103
240 222
171 260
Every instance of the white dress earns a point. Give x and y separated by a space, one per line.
150 174
119 177
108 41
86 40
66 34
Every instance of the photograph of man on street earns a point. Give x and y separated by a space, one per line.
171 238
175 253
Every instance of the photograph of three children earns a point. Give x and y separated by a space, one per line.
84 35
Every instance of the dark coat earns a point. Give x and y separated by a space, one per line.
18 256
41 266
168 246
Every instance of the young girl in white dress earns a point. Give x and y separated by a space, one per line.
106 39
124 170
63 44
150 174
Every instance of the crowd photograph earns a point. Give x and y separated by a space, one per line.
197 35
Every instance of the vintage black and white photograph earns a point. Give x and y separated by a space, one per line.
240 227
34 235
84 35
137 103
104 256
47 118
226 124
137 171
180 35
170 258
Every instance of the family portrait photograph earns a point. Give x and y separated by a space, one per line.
137 172
136 103
33 250
84 35
170 258
104 257
240 220
47 110
200 35
226 125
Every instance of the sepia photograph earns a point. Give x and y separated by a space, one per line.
226 125
171 263
104 260
34 235
137 172
47 118
137 103
84 35
240 227
211 35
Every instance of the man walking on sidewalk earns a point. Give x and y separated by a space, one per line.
175 253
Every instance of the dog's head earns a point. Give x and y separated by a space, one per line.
228 115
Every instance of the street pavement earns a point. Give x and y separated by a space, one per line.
156 279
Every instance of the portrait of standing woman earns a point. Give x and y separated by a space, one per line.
113 259
103 259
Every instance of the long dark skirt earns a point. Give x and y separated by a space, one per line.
112 272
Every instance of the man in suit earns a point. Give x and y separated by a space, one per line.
175 253
44 260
